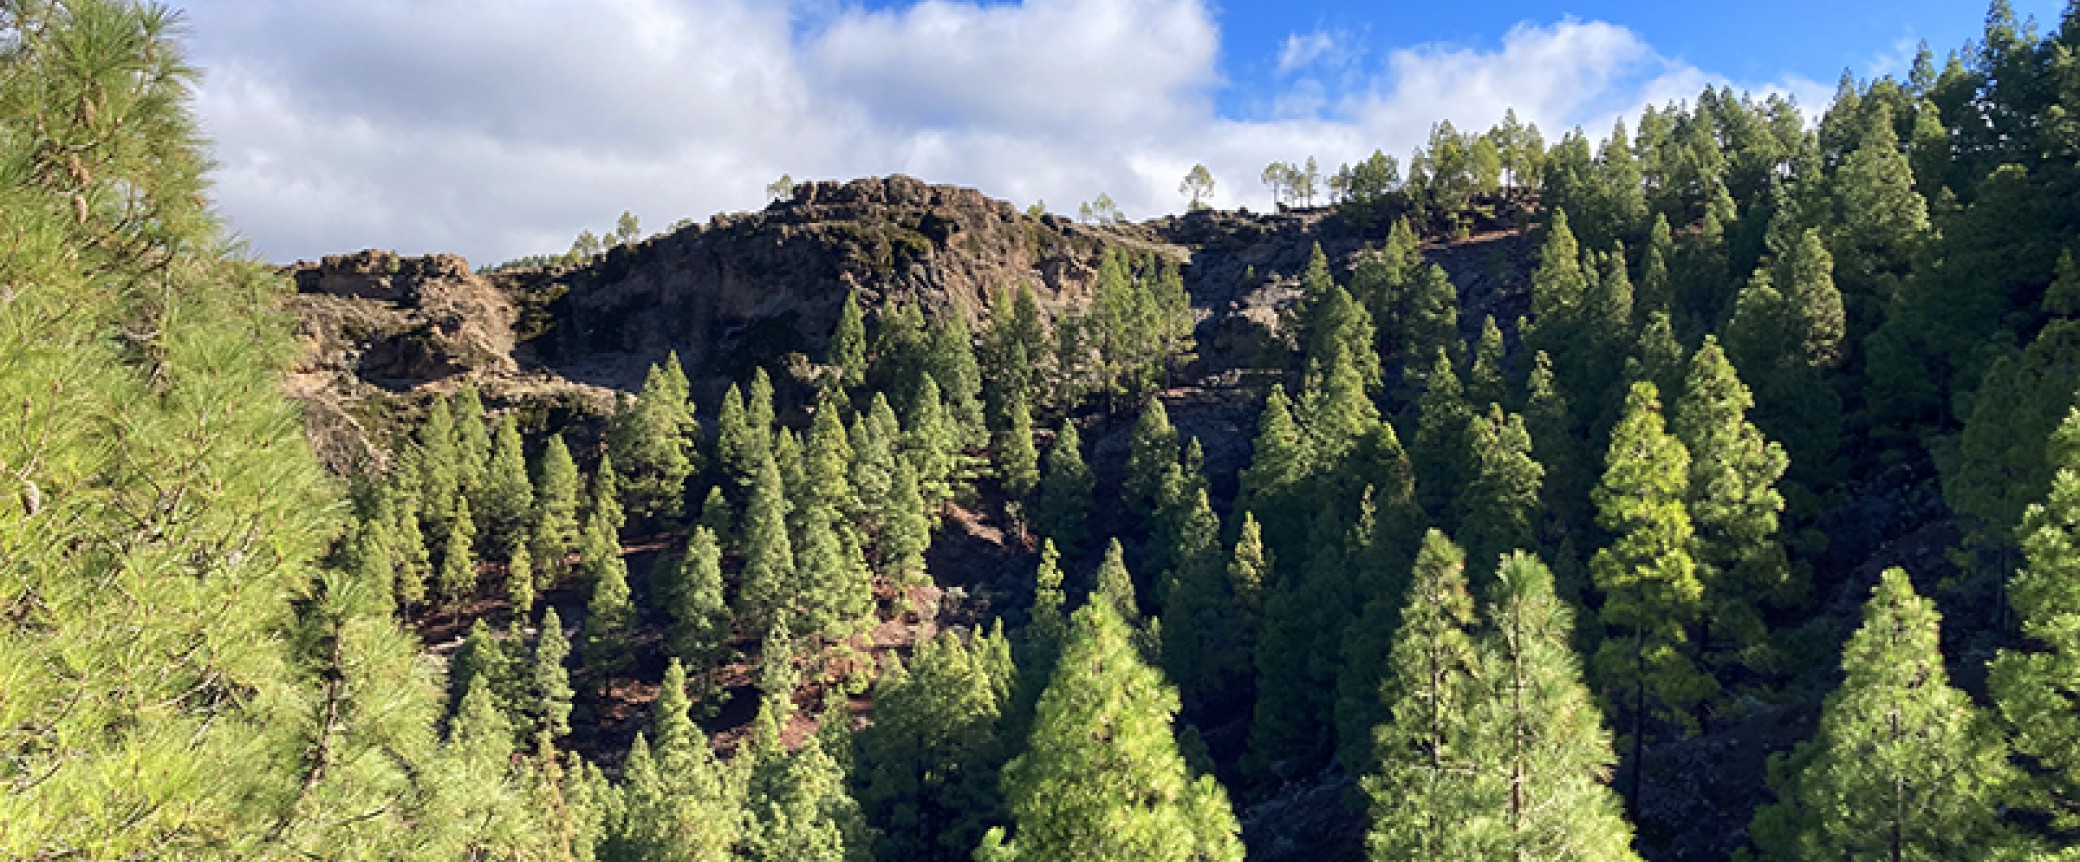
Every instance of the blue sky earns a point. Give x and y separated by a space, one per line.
496 128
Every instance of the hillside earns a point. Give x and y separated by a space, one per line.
1710 490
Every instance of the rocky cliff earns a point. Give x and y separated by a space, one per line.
763 289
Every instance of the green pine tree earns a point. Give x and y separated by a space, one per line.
1651 593
1102 777
767 586
457 578
848 346
1428 771
507 499
1733 505
1499 505
929 762
1542 739
1151 449
2034 684
1018 462
550 681
1903 765
556 530
1065 492
610 616
701 619
653 443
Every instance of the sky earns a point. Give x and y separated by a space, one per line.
500 128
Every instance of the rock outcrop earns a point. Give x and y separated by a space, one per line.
763 289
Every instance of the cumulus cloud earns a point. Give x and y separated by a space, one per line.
502 127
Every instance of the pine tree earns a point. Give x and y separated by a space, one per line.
1427 777
836 598
1431 318
1809 276
1249 575
2034 685
1065 492
652 441
1115 585
959 378
519 579
931 442
1651 594
827 461
1278 467
556 508
508 495
1656 292
1018 462
481 656
476 810
1102 777
1485 381
1542 738
1557 445
700 626
874 437
767 587
1152 448
678 801
605 500
1499 505
848 347
610 617
1903 765
1202 647
929 762
906 532
805 814
1559 290
550 681
1440 444
739 445
457 579
472 443
439 465
1733 505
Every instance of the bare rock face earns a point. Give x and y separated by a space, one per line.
764 289
751 289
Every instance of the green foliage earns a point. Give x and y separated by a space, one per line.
507 499
678 801
549 680
1018 462
457 578
1151 450
1734 505
906 531
653 441
1427 777
929 762
1065 492
701 620
2034 684
1903 766
1278 467
1498 508
1651 592
1542 744
1102 776
610 617
848 346
767 586
556 529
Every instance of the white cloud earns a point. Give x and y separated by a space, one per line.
501 127
1301 50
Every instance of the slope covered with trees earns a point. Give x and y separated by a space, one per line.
1468 574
